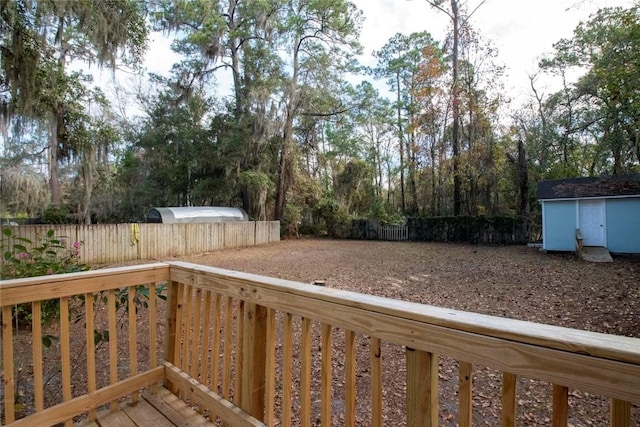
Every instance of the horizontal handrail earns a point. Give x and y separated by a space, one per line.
233 283
19 291
595 362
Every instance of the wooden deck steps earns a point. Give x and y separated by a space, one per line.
163 409
595 254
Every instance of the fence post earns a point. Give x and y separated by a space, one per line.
171 326
422 388
254 352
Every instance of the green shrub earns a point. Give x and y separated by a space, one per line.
24 258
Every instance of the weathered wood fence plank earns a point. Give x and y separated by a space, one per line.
112 243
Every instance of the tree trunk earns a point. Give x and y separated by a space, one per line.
523 175
287 135
400 145
456 111
56 127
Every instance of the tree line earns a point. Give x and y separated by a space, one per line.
305 136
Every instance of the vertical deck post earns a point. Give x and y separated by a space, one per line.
254 354
170 334
422 388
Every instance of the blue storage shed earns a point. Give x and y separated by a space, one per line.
605 209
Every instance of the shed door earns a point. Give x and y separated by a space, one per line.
592 222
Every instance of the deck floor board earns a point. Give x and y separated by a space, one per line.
163 409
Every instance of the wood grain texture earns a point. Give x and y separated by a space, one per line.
620 413
226 364
254 355
36 331
187 328
175 409
225 410
113 343
133 338
215 345
143 414
350 378
197 331
422 388
305 373
326 378
91 348
239 353
153 329
67 410
65 353
508 399
287 356
465 394
171 312
7 365
370 315
270 369
560 401
606 346
206 341
376 381
17 291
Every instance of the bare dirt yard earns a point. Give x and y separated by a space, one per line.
513 281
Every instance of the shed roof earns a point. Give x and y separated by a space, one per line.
193 214
576 188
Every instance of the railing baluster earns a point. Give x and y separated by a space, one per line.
36 324
187 315
305 374
214 384
226 364
91 348
376 382
7 363
560 405
270 379
465 387
133 339
422 388
350 378
173 327
508 399
177 350
195 350
153 331
326 375
237 392
65 353
204 349
620 413
287 356
113 343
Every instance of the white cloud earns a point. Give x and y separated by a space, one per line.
522 30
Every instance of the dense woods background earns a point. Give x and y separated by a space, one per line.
307 137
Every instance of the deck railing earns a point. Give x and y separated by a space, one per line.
252 350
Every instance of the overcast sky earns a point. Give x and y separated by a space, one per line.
522 30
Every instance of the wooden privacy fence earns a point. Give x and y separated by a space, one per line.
242 348
109 243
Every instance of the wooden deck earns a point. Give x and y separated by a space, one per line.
163 409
